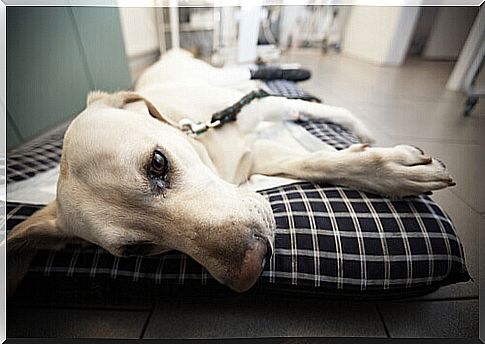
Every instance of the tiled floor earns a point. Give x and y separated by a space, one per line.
401 105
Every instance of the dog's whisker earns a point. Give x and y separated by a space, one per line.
278 208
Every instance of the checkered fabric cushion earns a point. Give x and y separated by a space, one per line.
331 133
289 89
34 157
328 239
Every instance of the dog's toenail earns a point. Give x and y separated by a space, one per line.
419 149
441 163
427 159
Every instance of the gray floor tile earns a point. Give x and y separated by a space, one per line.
345 78
457 318
440 120
74 323
227 318
462 290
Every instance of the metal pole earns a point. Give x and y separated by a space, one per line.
161 26
248 30
174 24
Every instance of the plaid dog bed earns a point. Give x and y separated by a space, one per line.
329 240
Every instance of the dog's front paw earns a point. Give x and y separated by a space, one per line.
401 171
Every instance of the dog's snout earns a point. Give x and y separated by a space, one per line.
257 255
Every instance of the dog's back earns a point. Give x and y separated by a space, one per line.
183 86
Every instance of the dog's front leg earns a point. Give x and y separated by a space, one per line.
395 172
279 108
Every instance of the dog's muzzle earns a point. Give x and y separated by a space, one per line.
256 257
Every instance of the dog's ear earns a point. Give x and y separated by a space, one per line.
39 231
123 99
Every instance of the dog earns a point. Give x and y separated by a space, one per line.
134 183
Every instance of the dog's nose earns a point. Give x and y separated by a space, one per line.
255 259
269 249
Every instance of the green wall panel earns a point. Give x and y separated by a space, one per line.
46 79
13 136
102 41
55 56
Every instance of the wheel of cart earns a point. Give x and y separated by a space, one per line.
470 103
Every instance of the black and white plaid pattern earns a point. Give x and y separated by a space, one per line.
34 157
330 133
327 237
289 89
335 237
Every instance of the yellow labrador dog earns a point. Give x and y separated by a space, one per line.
134 183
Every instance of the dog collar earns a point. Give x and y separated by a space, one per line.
222 117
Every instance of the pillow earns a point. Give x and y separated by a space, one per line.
36 156
328 240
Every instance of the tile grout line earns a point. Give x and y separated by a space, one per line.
381 317
145 326
472 207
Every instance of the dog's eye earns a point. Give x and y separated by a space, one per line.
158 171
158 164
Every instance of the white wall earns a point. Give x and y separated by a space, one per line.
449 32
379 34
139 30
140 35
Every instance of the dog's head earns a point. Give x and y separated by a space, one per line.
135 185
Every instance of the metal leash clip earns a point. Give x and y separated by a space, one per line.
196 128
